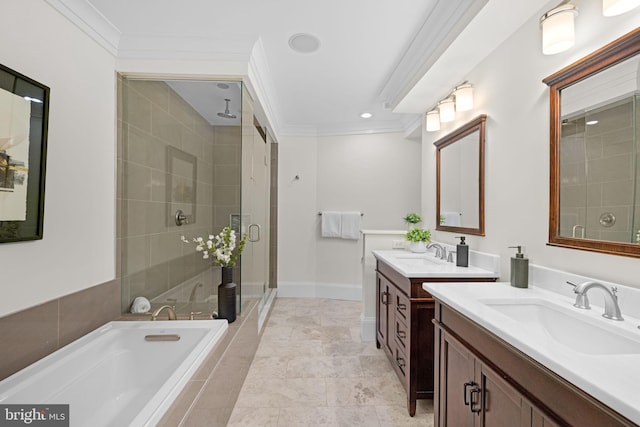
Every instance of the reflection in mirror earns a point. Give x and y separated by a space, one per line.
595 144
460 179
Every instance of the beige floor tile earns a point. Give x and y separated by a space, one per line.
269 367
254 417
350 348
365 391
349 416
313 368
375 365
322 333
290 348
282 393
323 367
398 416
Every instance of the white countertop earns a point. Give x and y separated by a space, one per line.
411 264
611 378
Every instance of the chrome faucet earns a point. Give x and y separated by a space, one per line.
170 310
611 307
441 251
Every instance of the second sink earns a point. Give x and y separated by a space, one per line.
574 330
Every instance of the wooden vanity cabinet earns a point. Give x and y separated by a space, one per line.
404 328
483 381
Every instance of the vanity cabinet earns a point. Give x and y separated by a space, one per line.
404 328
483 381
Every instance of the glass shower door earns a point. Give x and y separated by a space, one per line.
255 213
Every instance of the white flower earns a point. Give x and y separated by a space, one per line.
222 248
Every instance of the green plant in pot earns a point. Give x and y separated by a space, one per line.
412 218
418 239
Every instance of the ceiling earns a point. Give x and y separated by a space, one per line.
373 55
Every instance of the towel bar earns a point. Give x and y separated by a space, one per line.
320 214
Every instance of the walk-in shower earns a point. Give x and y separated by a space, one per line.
186 170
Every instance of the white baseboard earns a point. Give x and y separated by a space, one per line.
266 309
368 328
339 291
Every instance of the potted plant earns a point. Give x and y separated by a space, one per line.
418 239
412 218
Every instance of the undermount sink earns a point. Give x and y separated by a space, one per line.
565 326
416 259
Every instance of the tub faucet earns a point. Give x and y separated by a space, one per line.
611 307
441 251
170 310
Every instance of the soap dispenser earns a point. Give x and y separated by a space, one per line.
462 253
519 269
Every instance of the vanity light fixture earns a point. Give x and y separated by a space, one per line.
558 28
464 97
447 110
618 7
433 121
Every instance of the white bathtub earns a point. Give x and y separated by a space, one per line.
113 376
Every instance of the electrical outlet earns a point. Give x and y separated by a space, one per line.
397 244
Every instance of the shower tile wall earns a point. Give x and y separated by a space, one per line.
598 173
153 258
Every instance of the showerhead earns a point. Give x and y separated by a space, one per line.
227 114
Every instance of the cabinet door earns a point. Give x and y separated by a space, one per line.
456 375
385 310
502 405
539 419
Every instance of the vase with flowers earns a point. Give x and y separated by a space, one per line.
224 250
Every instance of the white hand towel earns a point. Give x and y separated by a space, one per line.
331 224
452 219
140 305
351 225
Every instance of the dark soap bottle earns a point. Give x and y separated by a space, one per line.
519 269
462 253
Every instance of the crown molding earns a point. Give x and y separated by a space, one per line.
446 20
352 128
90 21
184 47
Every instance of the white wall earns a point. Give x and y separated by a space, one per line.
377 174
509 89
77 250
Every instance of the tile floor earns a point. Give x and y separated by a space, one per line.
312 369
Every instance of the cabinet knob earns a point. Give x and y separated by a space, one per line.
401 334
400 362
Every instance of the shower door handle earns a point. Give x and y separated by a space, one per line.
251 228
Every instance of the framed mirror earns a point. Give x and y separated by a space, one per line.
460 179
595 151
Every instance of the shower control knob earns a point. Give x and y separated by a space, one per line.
181 218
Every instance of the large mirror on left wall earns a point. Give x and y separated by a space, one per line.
460 179
24 112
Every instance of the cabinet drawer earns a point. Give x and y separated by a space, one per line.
400 362
401 332
402 305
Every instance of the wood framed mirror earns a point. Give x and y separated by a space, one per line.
595 151
460 179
